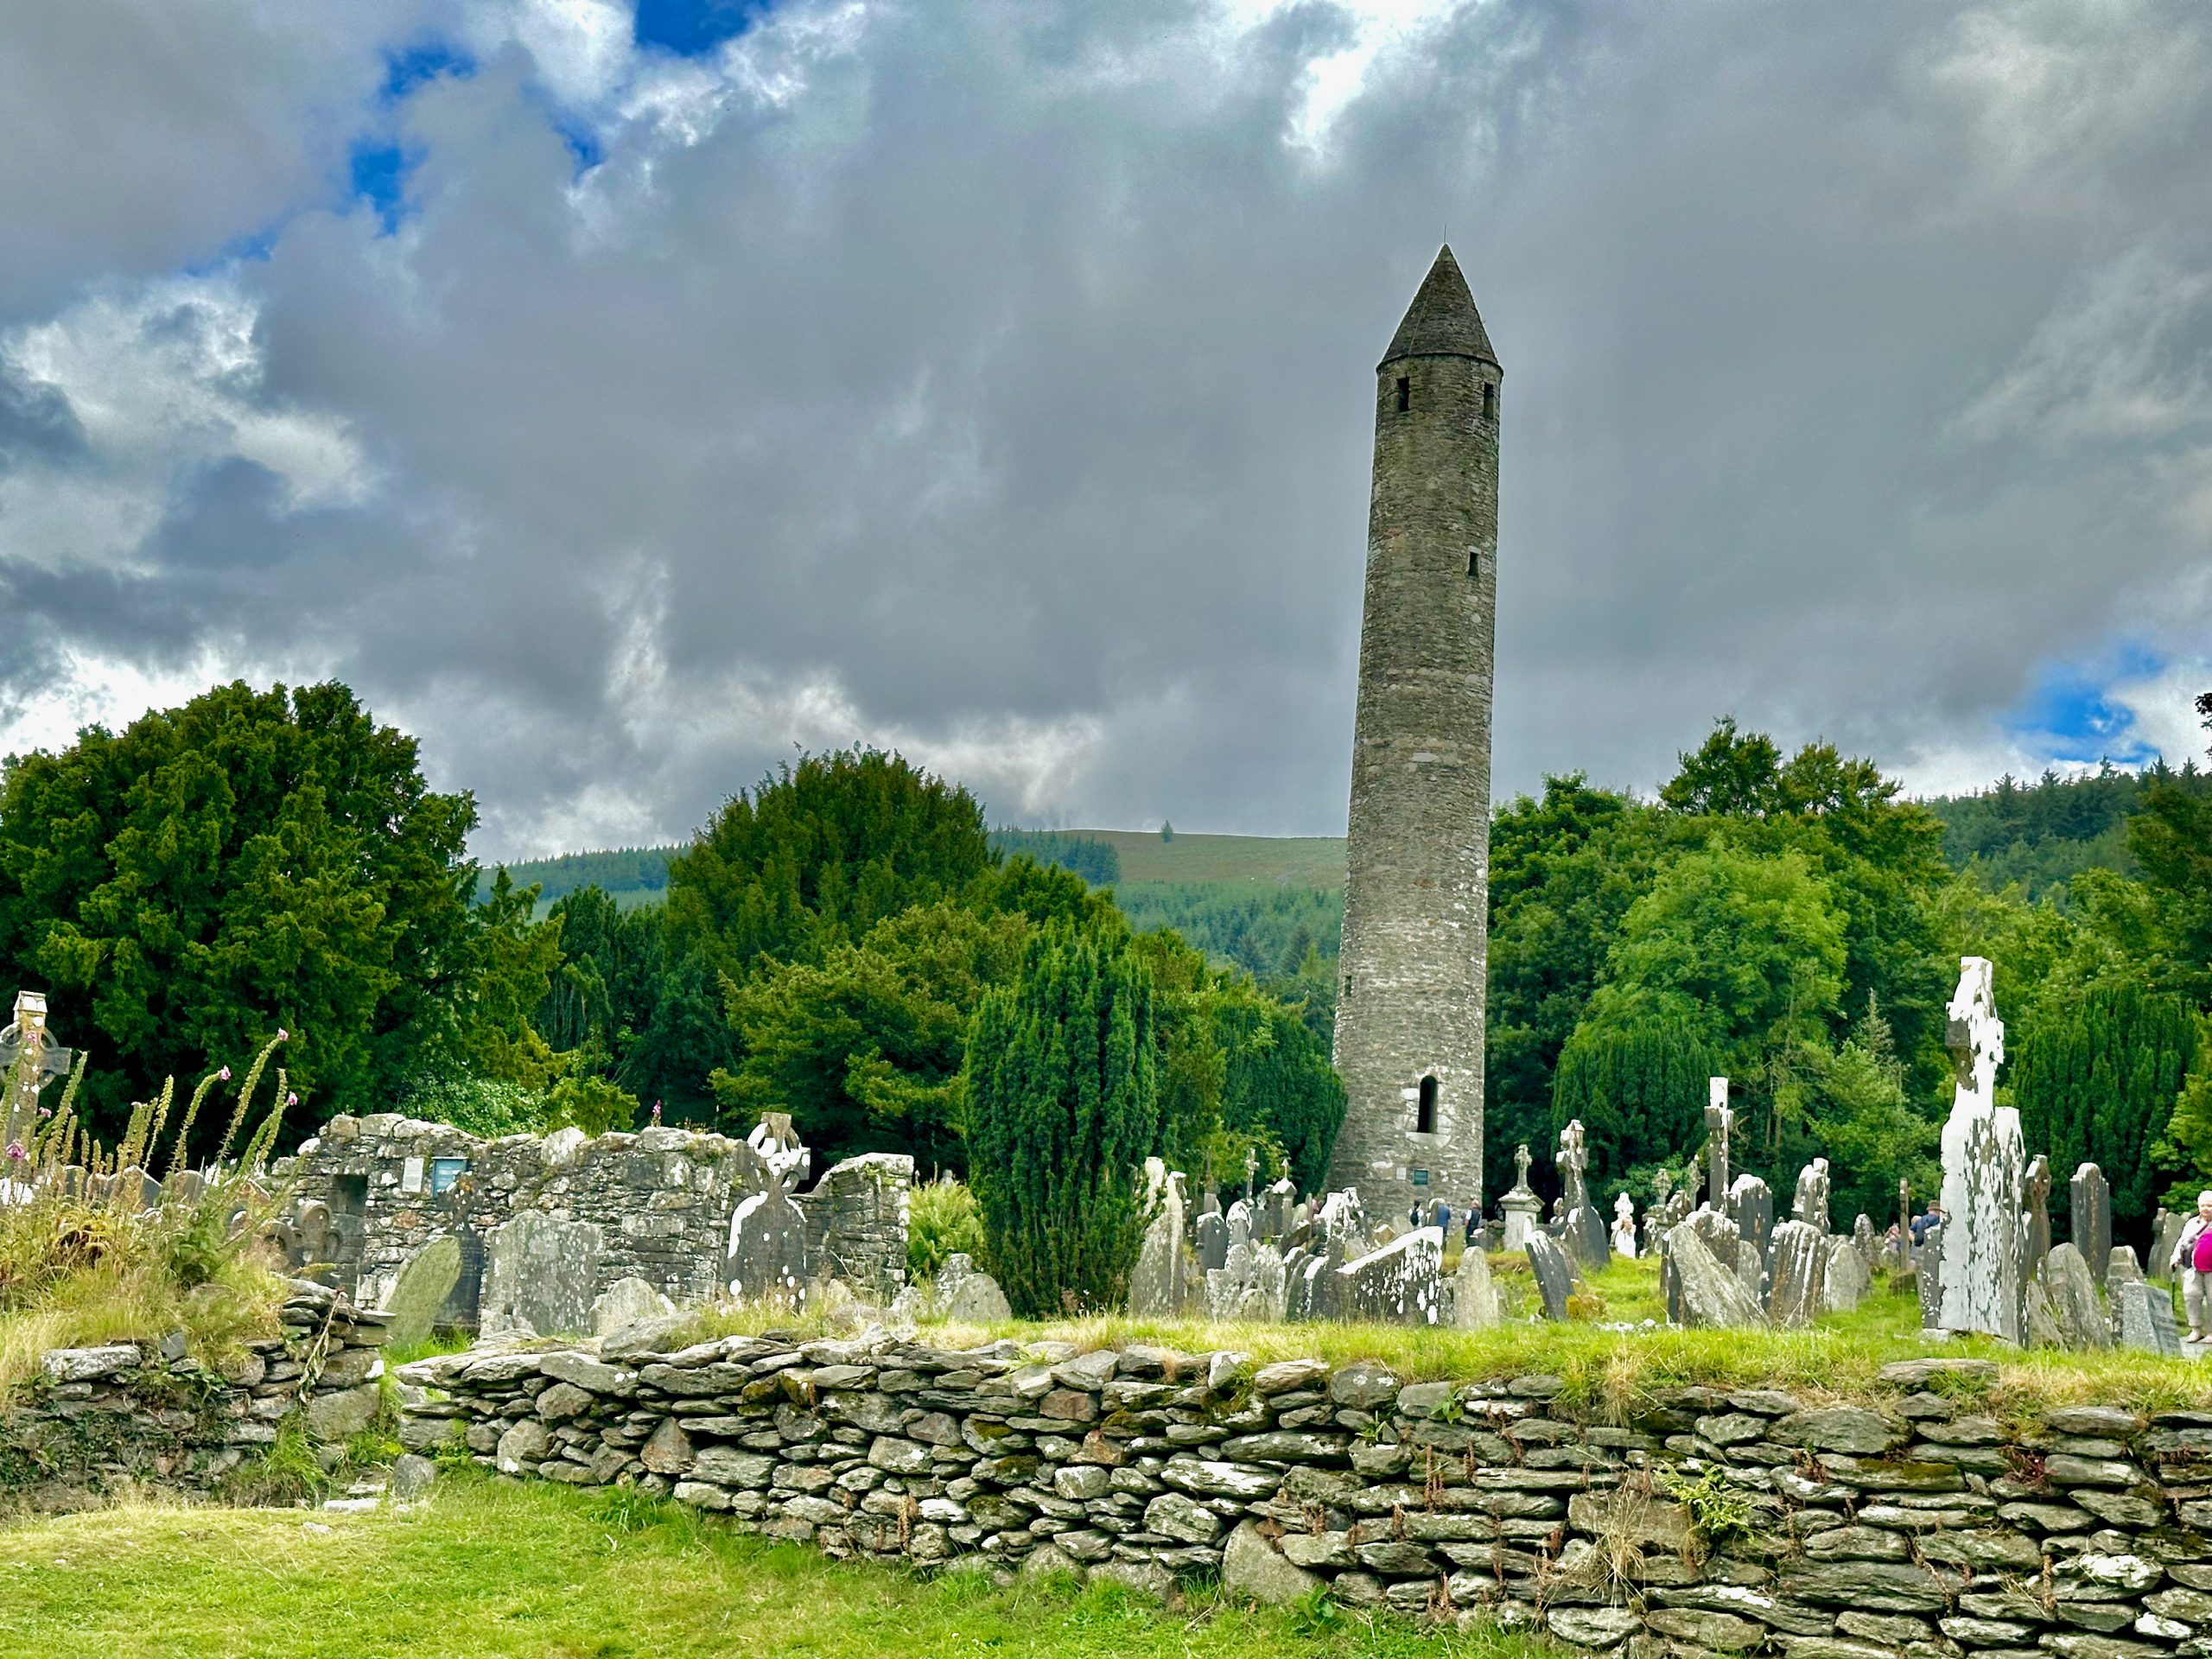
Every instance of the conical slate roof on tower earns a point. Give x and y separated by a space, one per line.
1442 320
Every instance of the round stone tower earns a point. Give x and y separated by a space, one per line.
1410 1003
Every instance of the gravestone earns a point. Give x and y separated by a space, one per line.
1985 1165
1162 1278
2088 1198
1799 1271
1522 1206
1554 1274
1718 1234
1584 1229
1261 1295
1849 1278
1403 1283
766 1261
2073 1295
1624 1239
1213 1240
421 1290
1752 1205
1474 1293
2039 1325
1862 1240
2165 1239
627 1302
2035 1214
1709 1293
964 1294
540 1277
1905 1222
1719 1121
1811 1206
1275 1209
2121 1267
1929 1277
2146 1320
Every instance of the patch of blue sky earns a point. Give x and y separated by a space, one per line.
2072 715
419 63
378 169
692 29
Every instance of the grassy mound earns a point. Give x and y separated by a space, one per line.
489 1568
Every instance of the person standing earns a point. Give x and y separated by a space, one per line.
2192 1259
1474 1224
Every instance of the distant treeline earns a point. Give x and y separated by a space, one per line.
619 872
2044 834
1094 860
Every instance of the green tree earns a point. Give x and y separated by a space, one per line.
1062 1107
2171 838
2095 1075
252 859
864 1047
1852 1105
819 854
1637 1083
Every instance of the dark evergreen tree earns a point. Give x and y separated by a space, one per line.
1063 1106
2095 1077
1639 1088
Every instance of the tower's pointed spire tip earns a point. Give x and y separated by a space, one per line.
1442 320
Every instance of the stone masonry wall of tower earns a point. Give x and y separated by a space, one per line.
1410 1001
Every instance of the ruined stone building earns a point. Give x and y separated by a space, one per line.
1409 1008
542 1227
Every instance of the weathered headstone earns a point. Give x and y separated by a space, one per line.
1848 1279
1624 1240
965 1294
1403 1283
2089 1198
540 1277
1811 1206
1522 1206
1708 1291
1162 1278
421 1290
1276 1208
1800 1273
2121 1267
1929 1277
1213 1240
1905 1222
2034 1215
2165 1239
1752 1205
1474 1293
2146 1320
1862 1240
2073 1295
627 1302
1584 1228
1554 1274
1984 1164
1719 1121
2039 1323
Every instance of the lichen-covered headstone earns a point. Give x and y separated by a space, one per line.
1752 1203
1521 1206
540 1277
1801 1263
1708 1292
626 1302
1985 1163
1399 1284
1554 1274
2089 1198
1161 1277
1848 1278
2073 1296
965 1294
1811 1206
1929 1277
766 1261
1474 1292
1718 1121
2165 1239
2034 1215
422 1289
1584 1232
1862 1240
2146 1320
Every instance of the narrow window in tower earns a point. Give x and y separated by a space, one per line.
1474 564
1425 1115
1489 402
1405 394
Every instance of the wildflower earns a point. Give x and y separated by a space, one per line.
292 1099
15 1152
283 1035
224 1074
46 1111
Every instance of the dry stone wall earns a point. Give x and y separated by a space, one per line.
98 1422
1917 1527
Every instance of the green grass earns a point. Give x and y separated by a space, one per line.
1609 1373
490 1569
1301 860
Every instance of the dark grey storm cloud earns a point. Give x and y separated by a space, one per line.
993 379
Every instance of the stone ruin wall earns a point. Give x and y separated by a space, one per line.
654 1206
99 1423
1922 1526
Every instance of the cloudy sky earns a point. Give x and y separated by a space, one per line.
621 396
